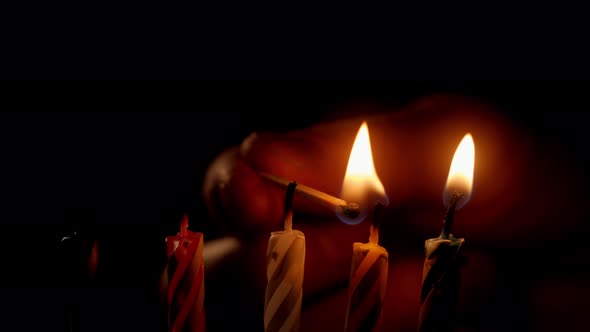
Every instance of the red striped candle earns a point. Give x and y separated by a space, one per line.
186 287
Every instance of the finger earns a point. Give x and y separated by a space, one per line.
238 198
235 193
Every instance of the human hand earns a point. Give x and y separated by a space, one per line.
512 208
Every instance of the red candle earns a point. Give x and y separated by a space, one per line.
186 287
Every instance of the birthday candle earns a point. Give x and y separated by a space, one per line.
368 282
186 287
440 282
284 270
368 273
440 276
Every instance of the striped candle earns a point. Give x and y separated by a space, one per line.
440 284
368 282
285 266
441 273
186 288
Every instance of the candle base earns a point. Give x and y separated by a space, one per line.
440 284
366 290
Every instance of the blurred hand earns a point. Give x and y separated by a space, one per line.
522 185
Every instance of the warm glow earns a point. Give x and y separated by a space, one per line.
460 178
361 184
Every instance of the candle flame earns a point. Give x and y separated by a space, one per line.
361 184
460 179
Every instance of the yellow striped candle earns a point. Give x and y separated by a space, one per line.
368 272
186 287
285 266
368 282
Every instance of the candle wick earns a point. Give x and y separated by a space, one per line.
374 235
184 226
374 231
449 215
288 213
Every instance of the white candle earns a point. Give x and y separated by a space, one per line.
285 267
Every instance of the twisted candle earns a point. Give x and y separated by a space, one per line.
186 289
285 267
368 282
440 277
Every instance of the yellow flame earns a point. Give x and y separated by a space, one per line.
460 177
361 184
360 162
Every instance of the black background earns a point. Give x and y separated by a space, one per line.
139 40
123 161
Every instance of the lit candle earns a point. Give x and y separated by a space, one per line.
285 266
368 273
440 276
186 288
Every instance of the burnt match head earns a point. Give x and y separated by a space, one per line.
351 210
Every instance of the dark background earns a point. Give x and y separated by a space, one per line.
121 162
131 40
